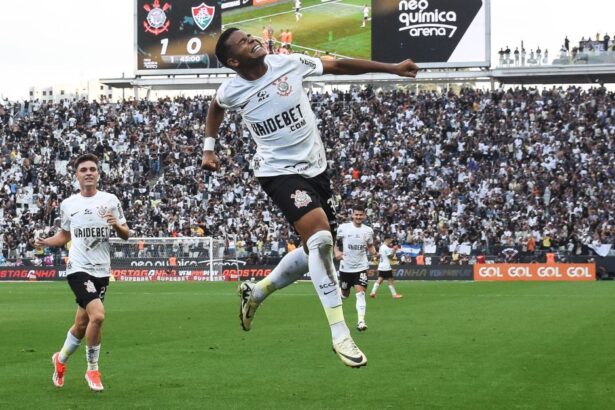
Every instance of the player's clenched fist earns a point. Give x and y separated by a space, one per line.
40 243
407 68
210 161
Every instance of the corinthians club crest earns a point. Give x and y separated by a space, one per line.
203 15
301 198
283 88
156 21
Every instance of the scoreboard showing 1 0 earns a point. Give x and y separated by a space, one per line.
176 36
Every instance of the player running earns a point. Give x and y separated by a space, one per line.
289 163
87 219
365 15
356 240
298 13
386 252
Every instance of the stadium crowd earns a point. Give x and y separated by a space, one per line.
593 50
488 170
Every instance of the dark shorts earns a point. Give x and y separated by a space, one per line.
87 287
385 274
296 196
349 279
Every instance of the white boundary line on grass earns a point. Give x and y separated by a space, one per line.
292 11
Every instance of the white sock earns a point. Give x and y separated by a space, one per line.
361 306
392 289
292 266
375 288
91 354
322 272
70 345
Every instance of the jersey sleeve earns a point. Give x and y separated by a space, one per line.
340 233
307 66
370 236
117 211
222 97
64 218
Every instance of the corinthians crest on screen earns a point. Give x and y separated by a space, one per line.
156 21
203 15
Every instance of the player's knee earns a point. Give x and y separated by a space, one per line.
80 328
321 241
97 317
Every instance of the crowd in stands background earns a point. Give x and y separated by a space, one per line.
597 49
478 170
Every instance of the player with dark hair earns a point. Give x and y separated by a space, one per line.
386 252
354 240
289 163
87 219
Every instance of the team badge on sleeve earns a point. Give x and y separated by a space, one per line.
301 198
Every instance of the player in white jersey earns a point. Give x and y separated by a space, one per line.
365 15
87 219
290 164
386 251
298 13
356 241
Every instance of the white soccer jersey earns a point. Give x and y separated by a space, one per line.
385 255
355 242
83 218
276 110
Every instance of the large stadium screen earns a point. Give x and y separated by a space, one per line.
435 33
178 36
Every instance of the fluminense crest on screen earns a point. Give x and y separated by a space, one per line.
203 15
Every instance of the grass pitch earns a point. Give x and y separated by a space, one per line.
333 26
444 345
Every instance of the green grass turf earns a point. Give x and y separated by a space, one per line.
334 27
444 345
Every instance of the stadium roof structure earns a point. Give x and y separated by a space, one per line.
546 74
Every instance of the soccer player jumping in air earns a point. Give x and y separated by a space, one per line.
290 164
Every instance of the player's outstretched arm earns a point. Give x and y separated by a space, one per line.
215 116
352 66
59 239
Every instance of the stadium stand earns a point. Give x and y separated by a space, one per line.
488 170
600 50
